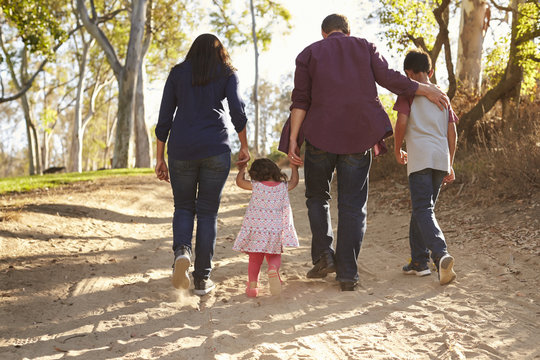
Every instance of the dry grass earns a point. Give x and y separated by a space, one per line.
504 165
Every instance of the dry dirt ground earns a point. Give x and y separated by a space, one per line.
85 274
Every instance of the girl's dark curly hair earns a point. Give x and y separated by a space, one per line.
266 170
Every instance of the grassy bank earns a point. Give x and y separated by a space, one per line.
27 183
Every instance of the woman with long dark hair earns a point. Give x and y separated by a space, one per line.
199 155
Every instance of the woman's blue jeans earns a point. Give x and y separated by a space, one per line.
424 231
352 179
197 187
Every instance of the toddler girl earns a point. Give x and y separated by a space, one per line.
268 223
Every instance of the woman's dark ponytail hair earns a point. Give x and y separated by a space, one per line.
209 60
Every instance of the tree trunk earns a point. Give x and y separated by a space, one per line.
126 75
507 89
126 87
78 131
471 39
256 84
143 148
511 99
35 155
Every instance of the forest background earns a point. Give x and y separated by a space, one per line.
81 80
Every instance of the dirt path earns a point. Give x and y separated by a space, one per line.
85 273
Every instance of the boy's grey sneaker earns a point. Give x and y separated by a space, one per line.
180 278
415 268
203 287
445 266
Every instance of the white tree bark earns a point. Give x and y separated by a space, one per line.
143 140
256 83
143 148
471 39
126 75
78 130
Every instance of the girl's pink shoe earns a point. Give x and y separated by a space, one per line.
251 289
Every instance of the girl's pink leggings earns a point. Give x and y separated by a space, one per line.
256 260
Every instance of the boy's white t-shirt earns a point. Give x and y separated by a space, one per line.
426 134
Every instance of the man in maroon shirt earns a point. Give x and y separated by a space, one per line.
335 99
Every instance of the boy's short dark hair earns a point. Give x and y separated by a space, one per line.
336 22
417 61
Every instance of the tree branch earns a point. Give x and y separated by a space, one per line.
22 89
485 104
527 37
439 13
100 37
499 7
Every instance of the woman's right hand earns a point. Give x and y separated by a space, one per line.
243 157
162 171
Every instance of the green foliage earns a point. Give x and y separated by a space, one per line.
27 183
495 61
39 23
235 25
172 21
529 51
388 101
275 155
403 19
47 119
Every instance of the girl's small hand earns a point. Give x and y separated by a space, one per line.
162 171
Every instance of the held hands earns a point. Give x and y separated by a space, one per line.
450 177
243 158
162 171
401 156
294 154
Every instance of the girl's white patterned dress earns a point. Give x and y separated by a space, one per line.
268 225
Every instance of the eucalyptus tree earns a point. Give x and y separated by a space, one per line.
30 33
423 23
475 15
126 74
241 28
520 72
165 39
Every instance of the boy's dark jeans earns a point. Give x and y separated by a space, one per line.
352 179
197 186
424 231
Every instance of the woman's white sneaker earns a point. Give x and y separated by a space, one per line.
446 269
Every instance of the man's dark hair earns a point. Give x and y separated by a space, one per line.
336 22
417 61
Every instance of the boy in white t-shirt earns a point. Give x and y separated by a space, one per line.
430 135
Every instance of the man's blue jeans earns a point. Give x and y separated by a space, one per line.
197 186
352 179
424 231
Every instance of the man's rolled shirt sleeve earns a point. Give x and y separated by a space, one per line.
391 80
301 95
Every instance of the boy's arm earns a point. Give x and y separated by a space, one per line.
241 179
452 144
294 177
399 134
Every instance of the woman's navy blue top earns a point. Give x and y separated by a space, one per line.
192 117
